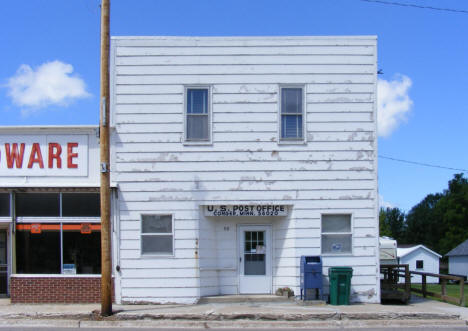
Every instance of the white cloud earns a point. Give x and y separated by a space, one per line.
384 204
52 83
393 103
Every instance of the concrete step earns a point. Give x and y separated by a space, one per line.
244 298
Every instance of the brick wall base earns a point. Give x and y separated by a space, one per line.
43 289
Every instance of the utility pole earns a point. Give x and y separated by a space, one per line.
106 263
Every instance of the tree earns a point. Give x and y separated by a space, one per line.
423 225
454 209
440 221
392 223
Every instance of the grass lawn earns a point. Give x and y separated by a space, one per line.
453 290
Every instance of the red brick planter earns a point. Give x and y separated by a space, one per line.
55 289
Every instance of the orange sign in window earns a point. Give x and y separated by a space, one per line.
86 228
36 228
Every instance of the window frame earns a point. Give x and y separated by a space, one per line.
422 262
292 141
209 114
350 233
8 218
61 222
156 255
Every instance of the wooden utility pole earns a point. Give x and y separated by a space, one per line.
106 263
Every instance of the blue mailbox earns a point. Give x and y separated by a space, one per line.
311 277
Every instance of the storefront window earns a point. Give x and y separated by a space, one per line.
4 204
38 204
72 205
39 248
81 251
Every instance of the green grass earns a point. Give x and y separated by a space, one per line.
453 290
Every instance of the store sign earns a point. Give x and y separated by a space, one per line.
43 155
246 210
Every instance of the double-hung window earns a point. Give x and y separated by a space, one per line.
197 114
156 235
336 234
292 113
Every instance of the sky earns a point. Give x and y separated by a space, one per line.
50 67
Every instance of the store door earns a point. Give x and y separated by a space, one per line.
255 259
3 263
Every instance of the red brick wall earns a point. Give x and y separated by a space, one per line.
40 289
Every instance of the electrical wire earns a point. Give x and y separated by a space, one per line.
401 4
421 163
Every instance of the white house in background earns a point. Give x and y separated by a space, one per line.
458 259
419 258
235 156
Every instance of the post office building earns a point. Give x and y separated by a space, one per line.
232 158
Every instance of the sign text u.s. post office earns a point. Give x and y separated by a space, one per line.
246 210
43 155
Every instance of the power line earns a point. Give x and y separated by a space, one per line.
401 4
421 163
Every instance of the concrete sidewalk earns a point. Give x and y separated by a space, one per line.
247 311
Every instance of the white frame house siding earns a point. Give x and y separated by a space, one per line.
333 170
458 259
430 260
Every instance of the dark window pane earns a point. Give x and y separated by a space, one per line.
291 126
81 204
156 244
419 264
197 101
38 253
83 251
254 264
156 224
4 204
291 100
38 204
197 127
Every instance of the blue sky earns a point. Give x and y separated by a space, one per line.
423 54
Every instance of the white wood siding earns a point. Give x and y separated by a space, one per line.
430 264
458 265
334 171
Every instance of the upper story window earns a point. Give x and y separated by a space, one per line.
197 114
292 113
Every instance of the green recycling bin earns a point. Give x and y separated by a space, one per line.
340 285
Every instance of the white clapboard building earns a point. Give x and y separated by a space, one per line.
235 156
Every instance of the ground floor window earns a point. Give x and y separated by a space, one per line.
336 234
419 264
73 248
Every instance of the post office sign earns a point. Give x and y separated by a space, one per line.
246 210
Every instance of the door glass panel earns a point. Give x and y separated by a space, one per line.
254 253
3 252
3 263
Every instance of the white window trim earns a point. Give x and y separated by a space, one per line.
304 118
210 126
351 233
157 255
